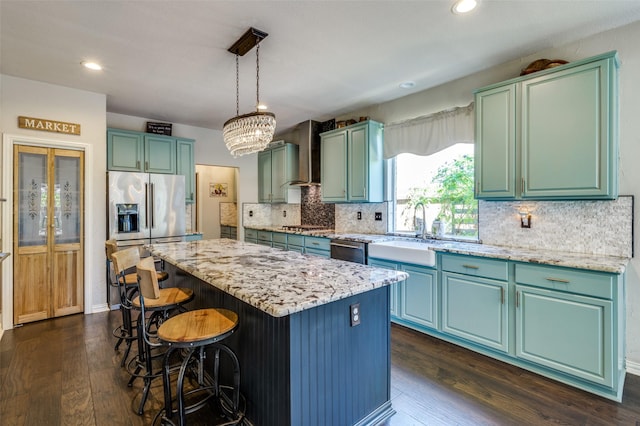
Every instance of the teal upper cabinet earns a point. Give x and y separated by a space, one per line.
185 165
277 168
159 154
550 135
352 163
125 150
130 151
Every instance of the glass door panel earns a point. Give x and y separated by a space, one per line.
67 197
32 199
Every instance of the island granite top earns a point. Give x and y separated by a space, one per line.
275 281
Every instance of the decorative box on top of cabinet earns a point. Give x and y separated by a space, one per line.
352 163
277 169
551 134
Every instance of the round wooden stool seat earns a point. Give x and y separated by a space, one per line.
168 297
199 327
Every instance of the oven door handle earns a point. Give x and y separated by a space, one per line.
346 246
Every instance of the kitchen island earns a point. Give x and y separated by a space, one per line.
303 362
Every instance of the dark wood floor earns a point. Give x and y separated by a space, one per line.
65 372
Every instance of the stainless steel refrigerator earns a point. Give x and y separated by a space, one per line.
146 208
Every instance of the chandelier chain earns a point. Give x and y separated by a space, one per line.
237 87
258 74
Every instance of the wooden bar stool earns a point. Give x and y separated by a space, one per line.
160 305
189 333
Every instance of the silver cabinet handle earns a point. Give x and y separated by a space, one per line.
558 280
465 265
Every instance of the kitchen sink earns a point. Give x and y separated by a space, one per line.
417 252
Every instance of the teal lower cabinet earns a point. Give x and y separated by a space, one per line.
295 242
279 240
414 302
193 237
563 323
475 309
250 235
317 246
265 238
230 232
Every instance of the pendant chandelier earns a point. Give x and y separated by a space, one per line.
248 133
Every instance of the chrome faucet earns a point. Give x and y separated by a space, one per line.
423 227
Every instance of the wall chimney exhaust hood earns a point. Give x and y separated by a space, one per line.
307 136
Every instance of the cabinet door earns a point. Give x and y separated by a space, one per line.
475 309
264 177
495 150
419 296
394 288
125 151
333 156
358 168
185 165
567 144
566 332
279 169
159 154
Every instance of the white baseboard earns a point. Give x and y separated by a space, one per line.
102 307
633 368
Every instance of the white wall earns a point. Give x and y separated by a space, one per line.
209 207
35 99
460 92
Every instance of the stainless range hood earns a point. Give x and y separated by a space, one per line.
307 136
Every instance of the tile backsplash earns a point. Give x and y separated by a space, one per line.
591 227
347 221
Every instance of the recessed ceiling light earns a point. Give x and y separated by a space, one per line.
407 85
92 66
464 6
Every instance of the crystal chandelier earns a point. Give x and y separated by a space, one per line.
248 133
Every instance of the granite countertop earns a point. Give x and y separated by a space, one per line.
601 263
275 281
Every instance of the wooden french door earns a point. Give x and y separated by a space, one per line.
48 272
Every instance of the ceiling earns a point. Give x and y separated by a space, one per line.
168 60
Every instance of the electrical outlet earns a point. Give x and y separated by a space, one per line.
355 314
378 216
250 213
284 213
359 215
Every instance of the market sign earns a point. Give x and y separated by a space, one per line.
48 125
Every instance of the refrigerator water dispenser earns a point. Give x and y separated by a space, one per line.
128 218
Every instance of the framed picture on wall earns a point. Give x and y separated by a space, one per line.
218 190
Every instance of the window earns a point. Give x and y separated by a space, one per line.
443 183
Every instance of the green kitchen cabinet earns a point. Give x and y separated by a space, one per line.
550 135
125 150
279 240
569 321
159 154
250 235
474 303
185 165
229 232
265 238
393 288
414 302
352 163
131 151
277 168
295 242
317 246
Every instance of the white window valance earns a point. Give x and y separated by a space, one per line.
431 133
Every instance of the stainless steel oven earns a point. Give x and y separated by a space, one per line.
351 251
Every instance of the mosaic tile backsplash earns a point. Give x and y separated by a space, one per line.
593 227
313 211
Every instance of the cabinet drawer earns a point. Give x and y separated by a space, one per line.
295 240
568 280
280 238
251 233
317 243
265 235
476 266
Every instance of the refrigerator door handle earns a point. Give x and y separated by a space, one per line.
153 205
146 205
